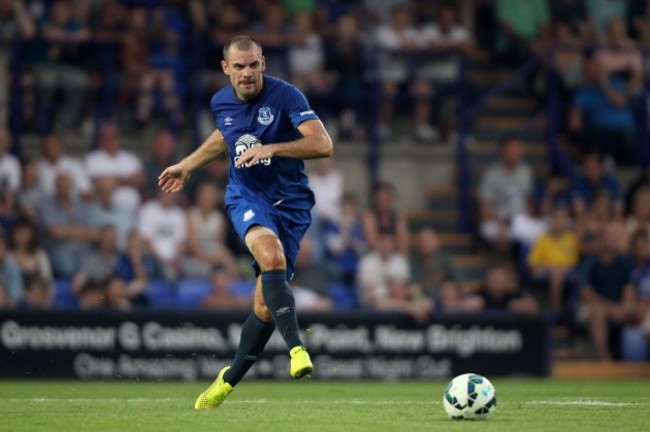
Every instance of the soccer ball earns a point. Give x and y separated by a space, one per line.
470 396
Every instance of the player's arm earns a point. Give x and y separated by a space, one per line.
173 178
315 143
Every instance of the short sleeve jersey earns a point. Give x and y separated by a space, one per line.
271 117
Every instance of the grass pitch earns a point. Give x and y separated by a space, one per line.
523 405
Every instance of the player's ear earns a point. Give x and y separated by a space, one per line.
263 63
224 66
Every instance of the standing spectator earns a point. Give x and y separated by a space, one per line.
107 212
28 254
431 266
327 184
554 256
206 234
606 290
15 24
9 169
600 117
11 282
162 224
524 28
444 42
500 292
345 241
163 153
591 182
109 160
621 55
67 227
397 42
53 160
383 218
60 63
384 282
505 191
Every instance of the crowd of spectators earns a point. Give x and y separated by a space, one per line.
575 243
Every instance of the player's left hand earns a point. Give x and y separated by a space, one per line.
253 155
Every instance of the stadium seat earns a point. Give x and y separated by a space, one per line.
633 344
63 296
191 292
162 294
343 296
242 288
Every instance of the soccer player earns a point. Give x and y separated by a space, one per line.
268 127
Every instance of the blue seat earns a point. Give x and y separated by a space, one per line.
343 296
633 344
191 292
63 296
162 294
242 288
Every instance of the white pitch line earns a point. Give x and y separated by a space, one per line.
580 402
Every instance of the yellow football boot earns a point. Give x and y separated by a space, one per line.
216 393
300 362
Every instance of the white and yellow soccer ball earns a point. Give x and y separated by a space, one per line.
470 396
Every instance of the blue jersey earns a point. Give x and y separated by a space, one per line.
271 117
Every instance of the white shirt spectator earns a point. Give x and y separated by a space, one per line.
375 273
446 67
328 190
9 172
507 191
100 163
47 172
393 65
164 227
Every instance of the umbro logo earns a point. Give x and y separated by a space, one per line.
248 215
227 121
283 311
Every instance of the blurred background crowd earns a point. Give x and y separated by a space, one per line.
108 93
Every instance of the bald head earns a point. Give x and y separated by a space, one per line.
241 43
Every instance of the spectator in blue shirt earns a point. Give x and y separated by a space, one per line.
591 182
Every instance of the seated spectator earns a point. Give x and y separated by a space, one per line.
592 181
573 15
273 31
136 267
326 181
381 217
431 266
640 254
554 256
505 192
500 292
396 42
31 193
53 161
106 211
116 294
124 167
452 298
306 56
9 169
206 234
11 281
601 118
344 240
600 12
567 58
384 282
621 56
524 29
221 279
162 224
38 295
598 215
60 64
91 296
640 182
98 265
26 250
639 218
67 226
554 192
606 290
16 23
444 42
163 154
311 279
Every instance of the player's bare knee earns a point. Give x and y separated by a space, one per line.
269 253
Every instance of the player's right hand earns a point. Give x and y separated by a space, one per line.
173 178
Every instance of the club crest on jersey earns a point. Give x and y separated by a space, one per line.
264 116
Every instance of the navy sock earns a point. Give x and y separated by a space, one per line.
255 333
279 299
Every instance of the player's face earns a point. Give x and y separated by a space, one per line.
245 68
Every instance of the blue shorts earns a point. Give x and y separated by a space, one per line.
288 225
